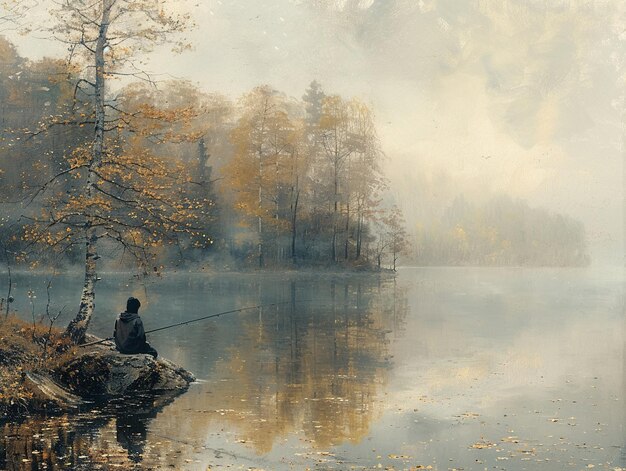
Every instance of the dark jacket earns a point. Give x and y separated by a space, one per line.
129 334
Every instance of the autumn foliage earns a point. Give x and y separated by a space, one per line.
187 174
151 172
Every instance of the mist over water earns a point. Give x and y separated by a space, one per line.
443 367
471 98
493 131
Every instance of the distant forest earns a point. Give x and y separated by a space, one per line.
501 232
188 176
194 177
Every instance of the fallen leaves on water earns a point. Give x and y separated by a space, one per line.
482 445
325 453
469 415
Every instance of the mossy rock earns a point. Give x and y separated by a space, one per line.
105 372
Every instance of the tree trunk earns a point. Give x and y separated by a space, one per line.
359 232
260 220
203 158
394 257
336 197
260 246
9 298
78 326
294 220
346 243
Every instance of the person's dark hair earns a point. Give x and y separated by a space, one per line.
132 305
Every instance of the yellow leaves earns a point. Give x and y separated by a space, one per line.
45 235
340 113
172 124
510 439
39 166
459 233
181 46
481 445
80 157
79 204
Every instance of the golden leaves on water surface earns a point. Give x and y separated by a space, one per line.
481 445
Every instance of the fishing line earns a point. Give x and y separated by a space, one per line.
232 311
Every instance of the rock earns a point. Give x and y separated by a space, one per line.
102 371
46 394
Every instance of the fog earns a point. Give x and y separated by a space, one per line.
499 127
473 98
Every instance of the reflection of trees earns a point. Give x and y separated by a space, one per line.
96 439
391 300
309 368
49 444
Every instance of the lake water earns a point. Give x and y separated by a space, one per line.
447 368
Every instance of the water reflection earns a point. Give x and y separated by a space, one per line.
132 417
107 435
131 434
449 368
312 367
56 443
309 367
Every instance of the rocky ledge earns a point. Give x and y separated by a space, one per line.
100 372
105 372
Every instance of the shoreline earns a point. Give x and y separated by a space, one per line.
41 372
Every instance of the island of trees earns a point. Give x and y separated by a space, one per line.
501 231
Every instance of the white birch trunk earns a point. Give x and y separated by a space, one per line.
77 328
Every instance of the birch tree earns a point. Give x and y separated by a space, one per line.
122 193
350 146
365 175
396 235
11 12
265 153
335 138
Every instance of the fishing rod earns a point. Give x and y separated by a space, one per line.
196 320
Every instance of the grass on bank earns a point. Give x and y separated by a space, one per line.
27 347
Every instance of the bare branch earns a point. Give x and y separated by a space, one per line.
43 187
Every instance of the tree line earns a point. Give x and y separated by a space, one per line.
267 180
99 159
501 231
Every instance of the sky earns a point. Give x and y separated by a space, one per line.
478 97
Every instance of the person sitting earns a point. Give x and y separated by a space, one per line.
129 334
